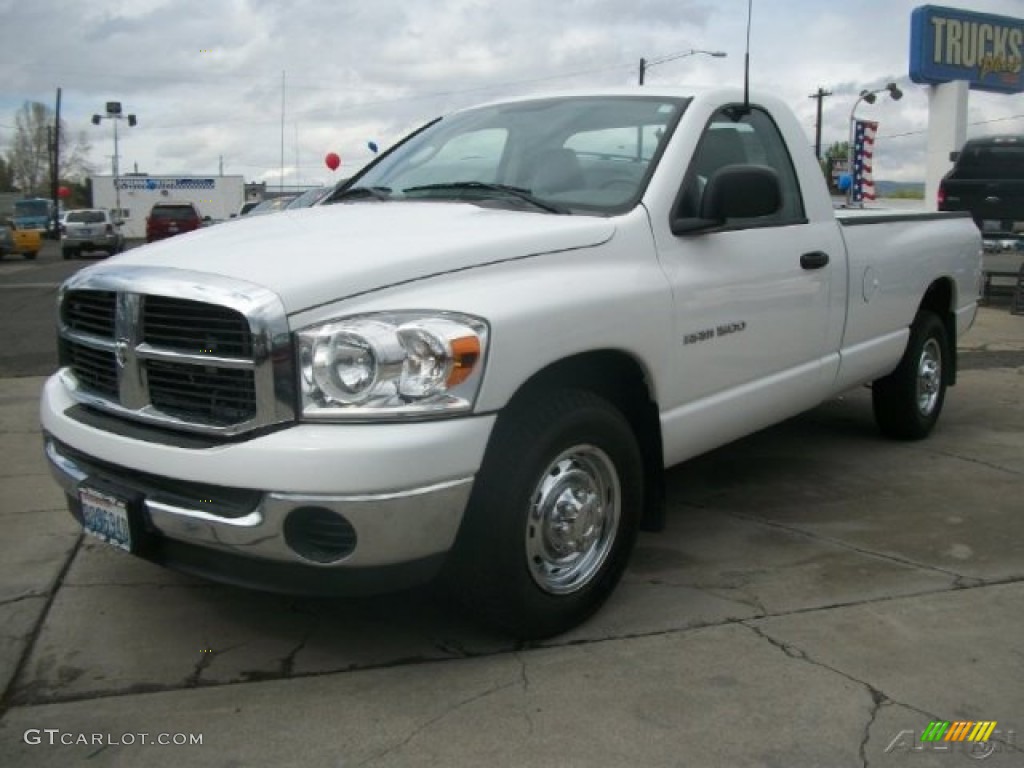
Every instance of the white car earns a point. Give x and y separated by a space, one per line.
90 229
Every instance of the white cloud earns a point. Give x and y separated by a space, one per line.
204 77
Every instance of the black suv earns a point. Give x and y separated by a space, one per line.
988 181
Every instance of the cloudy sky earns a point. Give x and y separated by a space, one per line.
205 77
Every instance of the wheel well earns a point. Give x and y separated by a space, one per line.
620 380
939 300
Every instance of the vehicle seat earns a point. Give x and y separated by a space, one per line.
557 170
718 148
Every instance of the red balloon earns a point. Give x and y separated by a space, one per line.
63 192
332 160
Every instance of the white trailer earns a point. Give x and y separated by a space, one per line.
215 196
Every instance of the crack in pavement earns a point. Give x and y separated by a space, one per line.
436 719
972 460
33 637
879 698
513 649
19 598
845 545
733 594
205 660
525 680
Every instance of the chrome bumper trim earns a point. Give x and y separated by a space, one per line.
391 527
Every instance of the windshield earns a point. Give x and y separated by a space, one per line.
272 205
86 217
307 198
176 212
991 161
31 207
585 154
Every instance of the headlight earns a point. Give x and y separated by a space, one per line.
391 365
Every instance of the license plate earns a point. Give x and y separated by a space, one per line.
85 231
106 518
989 225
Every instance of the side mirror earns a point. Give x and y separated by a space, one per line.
734 192
954 156
207 218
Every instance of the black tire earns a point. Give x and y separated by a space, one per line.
31 256
67 253
513 563
908 401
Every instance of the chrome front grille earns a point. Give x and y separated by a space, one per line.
195 352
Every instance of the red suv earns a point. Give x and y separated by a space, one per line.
169 219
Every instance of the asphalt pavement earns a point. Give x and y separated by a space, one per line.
819 597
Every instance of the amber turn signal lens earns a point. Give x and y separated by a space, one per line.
465 354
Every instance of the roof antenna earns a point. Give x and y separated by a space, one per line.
746 61
737 112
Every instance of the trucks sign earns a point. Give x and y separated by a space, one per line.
952 44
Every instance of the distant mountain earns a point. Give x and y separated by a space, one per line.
900 189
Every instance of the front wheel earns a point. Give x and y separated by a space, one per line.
553 514
908 401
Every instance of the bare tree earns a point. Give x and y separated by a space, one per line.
6 182
29 159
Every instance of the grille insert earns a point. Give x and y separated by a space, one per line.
208 394
90 312
95 369
195 327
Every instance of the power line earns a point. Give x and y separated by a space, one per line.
925 130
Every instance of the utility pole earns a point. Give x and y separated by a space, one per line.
820 96
55 170
643 68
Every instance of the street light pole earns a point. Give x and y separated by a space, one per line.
645 64
114 113
869 96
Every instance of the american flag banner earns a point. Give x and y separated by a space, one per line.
863 182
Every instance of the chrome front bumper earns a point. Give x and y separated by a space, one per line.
391 528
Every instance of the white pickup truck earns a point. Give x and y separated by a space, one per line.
477 358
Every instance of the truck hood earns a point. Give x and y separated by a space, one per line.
322 254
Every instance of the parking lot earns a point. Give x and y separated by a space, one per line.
820 595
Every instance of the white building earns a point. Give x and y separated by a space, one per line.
215 196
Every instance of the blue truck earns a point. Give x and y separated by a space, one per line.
34 213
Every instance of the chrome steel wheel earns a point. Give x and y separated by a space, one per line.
573 519
929 377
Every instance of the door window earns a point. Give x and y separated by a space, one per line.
748 139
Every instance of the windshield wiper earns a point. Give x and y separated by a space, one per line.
503 189
377 193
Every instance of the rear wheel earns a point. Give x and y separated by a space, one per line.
553 515
31 255
908 401
67 253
